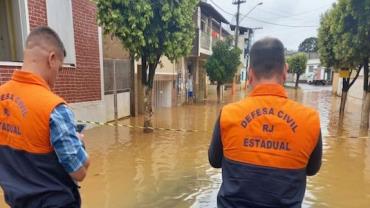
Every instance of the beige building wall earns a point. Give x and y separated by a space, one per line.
165 66
356 91
113 48
335 83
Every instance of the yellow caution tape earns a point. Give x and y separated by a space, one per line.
137 127
343 136
184 130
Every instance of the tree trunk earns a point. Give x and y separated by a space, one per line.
366 76
148 79
296 82
343 101
148 110
133 110
366 99
218 93
365 112
347 84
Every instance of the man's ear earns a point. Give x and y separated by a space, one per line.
52 59
286 69
250 76
285 73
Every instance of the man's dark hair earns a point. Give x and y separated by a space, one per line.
47 34
267 57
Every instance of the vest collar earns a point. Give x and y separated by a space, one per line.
269 90
29 78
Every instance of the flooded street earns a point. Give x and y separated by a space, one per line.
170 169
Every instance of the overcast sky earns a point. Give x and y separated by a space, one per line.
284 12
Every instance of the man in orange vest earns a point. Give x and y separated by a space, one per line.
266 144
42 155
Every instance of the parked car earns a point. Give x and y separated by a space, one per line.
315 79
228 86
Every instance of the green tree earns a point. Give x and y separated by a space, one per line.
326 41
359 10
150 29
297 65
343 41
309 45
223 63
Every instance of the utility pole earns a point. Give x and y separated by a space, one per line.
237 2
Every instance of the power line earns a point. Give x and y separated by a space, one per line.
292 16
271 23
226 12
284 14
282 25
251 10
275 13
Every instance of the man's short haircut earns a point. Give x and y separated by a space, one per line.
267 57
47 34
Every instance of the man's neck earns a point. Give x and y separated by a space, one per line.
266 81
34 69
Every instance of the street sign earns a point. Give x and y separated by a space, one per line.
344 73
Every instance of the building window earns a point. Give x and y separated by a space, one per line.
13 29
310 69
203 25
60 18
122 69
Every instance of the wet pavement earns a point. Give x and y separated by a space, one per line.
170 169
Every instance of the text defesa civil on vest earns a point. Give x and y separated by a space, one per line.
269 111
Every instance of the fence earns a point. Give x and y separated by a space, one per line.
116 79
116 70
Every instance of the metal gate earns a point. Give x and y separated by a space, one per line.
116 79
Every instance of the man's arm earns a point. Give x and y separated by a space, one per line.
314 162
67 144
215 152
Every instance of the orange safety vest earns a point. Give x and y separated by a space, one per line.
267 141
27 103
30 175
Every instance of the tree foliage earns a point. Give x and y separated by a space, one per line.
150 28
326 41
297 63
342 38
344 41
223 63
309 45
344 34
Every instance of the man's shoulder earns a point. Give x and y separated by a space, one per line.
52 97
5 85
305 115
49 99
301 108
244 103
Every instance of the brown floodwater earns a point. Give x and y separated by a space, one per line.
170 169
